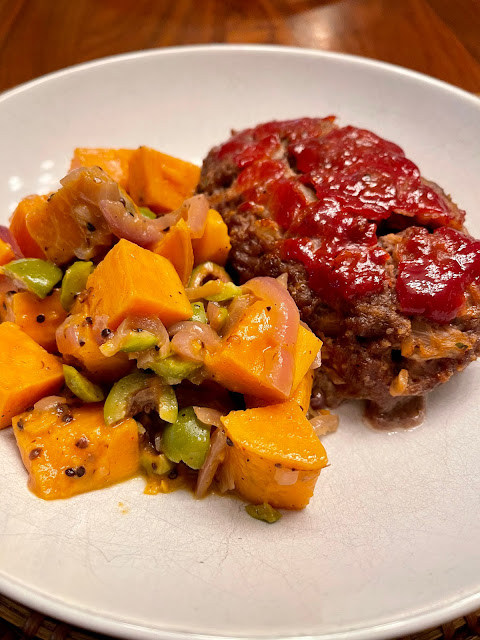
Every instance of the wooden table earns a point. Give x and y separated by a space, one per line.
437 37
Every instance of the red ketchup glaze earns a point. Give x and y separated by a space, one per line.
344 182
434 271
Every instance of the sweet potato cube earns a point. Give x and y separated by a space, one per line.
248 353
83 351
18 225
301 395
176 246
6 253
159 181
63 235
27 372
132 281
113 161
276 456
306 349
39 319
215 244
64 458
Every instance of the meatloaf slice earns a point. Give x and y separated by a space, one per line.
378 259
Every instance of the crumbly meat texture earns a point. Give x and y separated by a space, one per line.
369 343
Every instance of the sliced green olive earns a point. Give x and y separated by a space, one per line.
136 340
148 213
167 404
38 276
173 369
118 400
263 512
208 270
74 282
199 314
154 462
187 439
214 290
81 386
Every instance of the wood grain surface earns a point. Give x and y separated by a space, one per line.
438 37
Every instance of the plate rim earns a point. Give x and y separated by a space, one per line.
84 617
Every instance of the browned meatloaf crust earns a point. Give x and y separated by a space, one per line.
373 349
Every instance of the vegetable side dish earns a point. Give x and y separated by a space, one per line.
125 345
378 259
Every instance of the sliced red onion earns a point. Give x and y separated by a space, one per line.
197 211
283 279
131 226
186 336
152 324
324 423
226 480
285 319
7 236
9 284
317 361
67 335
285 477
215 456
236 310
208 416
215 316
49 403
100 323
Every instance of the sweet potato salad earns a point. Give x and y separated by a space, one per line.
126 348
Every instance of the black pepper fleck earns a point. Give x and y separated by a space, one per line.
80 472
34 453
70 472
89 320
67 418
269 308
106 333
40 318
229 442
278 465
50 197
154 466
157 348
122 200
173 474
81 343
20 424
138 330
91 227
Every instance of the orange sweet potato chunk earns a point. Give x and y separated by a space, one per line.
176 246
38 318
132 281
301 395
83 454
215 244
113 161
276 456
61 235
6 253
306 349
77 344
159 181
18 225
27 372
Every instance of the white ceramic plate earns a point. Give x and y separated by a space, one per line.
390 542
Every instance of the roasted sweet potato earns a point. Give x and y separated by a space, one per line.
306 349
18 225
214 245
132 281
78 346
67 457
176 246
301 395
159 181
6 253
27 372
275 456
70 224
113 161
39 319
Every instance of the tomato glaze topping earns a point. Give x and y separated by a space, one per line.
328 188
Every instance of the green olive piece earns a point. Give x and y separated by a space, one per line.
199 314
139 340
186 440
74 282
208 271
81 386
173 369
263 512
38 276
148 213
167 403
154 462
214 290
118 400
